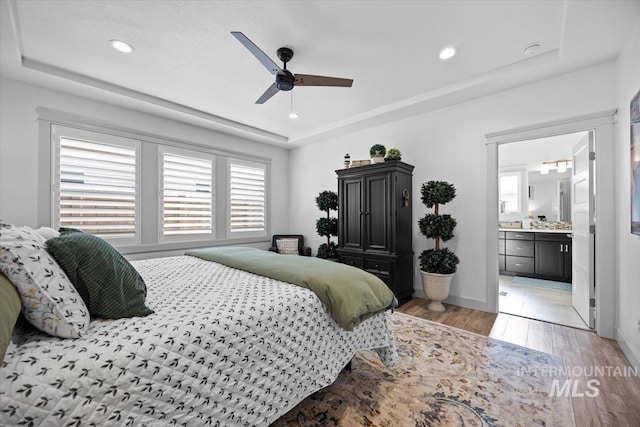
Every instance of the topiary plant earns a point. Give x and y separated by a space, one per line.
394 153
436 226
327 201
377 150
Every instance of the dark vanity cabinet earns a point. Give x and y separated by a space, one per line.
535 254
375 222
553 257
519 252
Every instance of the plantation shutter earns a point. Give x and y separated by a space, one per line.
187 196
97 187
247 197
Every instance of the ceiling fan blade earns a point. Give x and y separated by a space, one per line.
272 90
309 80
257 52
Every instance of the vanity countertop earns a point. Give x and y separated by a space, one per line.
535 230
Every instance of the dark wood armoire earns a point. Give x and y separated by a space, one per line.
375 222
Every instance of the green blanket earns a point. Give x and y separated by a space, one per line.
351 295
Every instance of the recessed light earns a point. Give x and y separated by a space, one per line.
121 46
447 53
293 115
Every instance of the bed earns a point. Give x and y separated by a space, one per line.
224 347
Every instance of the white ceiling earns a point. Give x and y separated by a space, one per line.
187 64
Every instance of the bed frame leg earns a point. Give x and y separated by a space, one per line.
348 367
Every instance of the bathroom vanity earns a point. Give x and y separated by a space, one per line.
539 253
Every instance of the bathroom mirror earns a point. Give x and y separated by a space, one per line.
550 195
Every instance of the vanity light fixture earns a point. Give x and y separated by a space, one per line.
560 165
544 169
447 53
121 46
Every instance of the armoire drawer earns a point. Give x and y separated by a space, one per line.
377 267
353 261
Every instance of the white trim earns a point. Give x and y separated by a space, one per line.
602 123
455 93
552 128
218 123
460 301
91 124
632 356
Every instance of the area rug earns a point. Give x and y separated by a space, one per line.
444 377
540 283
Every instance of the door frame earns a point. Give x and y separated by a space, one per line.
601 123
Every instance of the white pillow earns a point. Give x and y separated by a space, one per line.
48 233
49 300
287 246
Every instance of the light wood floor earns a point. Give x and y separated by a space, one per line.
548 305
618 401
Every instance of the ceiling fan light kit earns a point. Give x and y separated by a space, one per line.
285 79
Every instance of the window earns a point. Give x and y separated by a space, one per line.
145 193
247 197
510 193
187 193
96 189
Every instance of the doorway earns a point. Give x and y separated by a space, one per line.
535 247
601 123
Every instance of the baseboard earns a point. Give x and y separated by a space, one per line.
632 356
475 304
456 300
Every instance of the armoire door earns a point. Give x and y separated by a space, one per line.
377 214
352 215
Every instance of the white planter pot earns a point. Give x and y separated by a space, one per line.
436 287
377 159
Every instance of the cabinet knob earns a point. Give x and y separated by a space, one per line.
519 248
351 262
378 266
519 235
520 265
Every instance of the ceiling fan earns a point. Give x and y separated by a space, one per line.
285 79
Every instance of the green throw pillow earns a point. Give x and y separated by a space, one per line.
9 312
107 283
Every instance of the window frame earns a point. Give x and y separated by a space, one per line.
238 234
60 131
162 238
149 244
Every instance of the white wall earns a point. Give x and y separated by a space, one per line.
19 136
628 245
449 144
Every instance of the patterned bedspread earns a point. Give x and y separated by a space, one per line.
224 347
